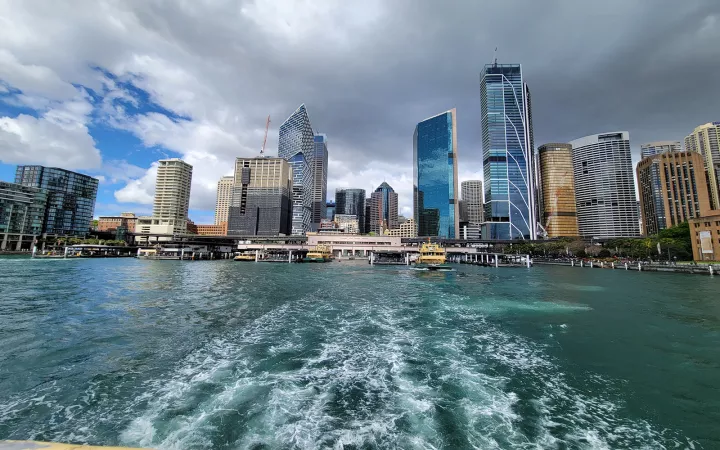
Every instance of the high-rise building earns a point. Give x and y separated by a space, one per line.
705 140
435 179
406 229
222 201
261 203
70 201
348 223
320 172
330 211
558 212
383 209
172 197
508 159
655 148
351 202
604 187
22 212
673 189
297 146
472 197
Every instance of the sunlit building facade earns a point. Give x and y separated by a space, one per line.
222 200
558 212
705 140
508 156
435 179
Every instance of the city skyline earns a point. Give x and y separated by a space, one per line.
115 109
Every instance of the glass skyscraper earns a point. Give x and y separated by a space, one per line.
351 202
320 167
435 184
296 144
70 201
508 156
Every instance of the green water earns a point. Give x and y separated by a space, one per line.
228 355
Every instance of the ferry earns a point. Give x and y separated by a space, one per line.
321 253
432 257
247 256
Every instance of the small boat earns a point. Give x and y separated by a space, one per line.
321 253
432 257
247 256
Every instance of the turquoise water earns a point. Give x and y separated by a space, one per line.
218 354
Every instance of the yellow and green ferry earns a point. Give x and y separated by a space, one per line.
319 254
432 257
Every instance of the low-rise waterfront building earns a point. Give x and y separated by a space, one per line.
22 212
212 229
125 220
705 236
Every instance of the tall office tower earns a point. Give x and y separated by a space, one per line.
655 148
508 157
261 203
297 146
435 179
172 195
222 201
384 208
330 211
604 188
351 202
320 167
472 197
368 213
673 189
558 212
70 201
705 140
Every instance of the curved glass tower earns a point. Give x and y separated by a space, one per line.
508 156
435 183
296 144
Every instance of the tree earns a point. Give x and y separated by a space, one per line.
604 253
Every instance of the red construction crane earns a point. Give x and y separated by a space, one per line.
267 127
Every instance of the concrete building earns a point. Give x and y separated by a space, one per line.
469 230
261 203
126 221
705 234
320 174
172 198
407 229
705 140
558 212
222 200
296 145
472 197
212 230
70 198
435 176
508 154
604 186
22 214
673 189
351 202
656 148
348 222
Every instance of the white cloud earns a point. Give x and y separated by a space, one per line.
140 190
33 79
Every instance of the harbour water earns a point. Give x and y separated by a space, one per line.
216 354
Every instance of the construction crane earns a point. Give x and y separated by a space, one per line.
267 127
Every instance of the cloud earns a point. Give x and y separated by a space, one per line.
140 190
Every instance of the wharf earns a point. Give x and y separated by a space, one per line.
698 269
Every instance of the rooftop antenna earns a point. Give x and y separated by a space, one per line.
267 127
495 58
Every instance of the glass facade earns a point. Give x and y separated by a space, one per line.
330 211
435 185
510 210
70 198
351 202
320 166
388 205
296 144
22 209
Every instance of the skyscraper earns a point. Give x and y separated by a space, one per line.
558 212
435 181
222 201
330 211
673 189
508 157
604 187
655 148
320 172
705 140
172 195
262 198
472 197
383 208
351 202
297 146
70 200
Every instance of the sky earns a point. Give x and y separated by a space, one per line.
107 87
